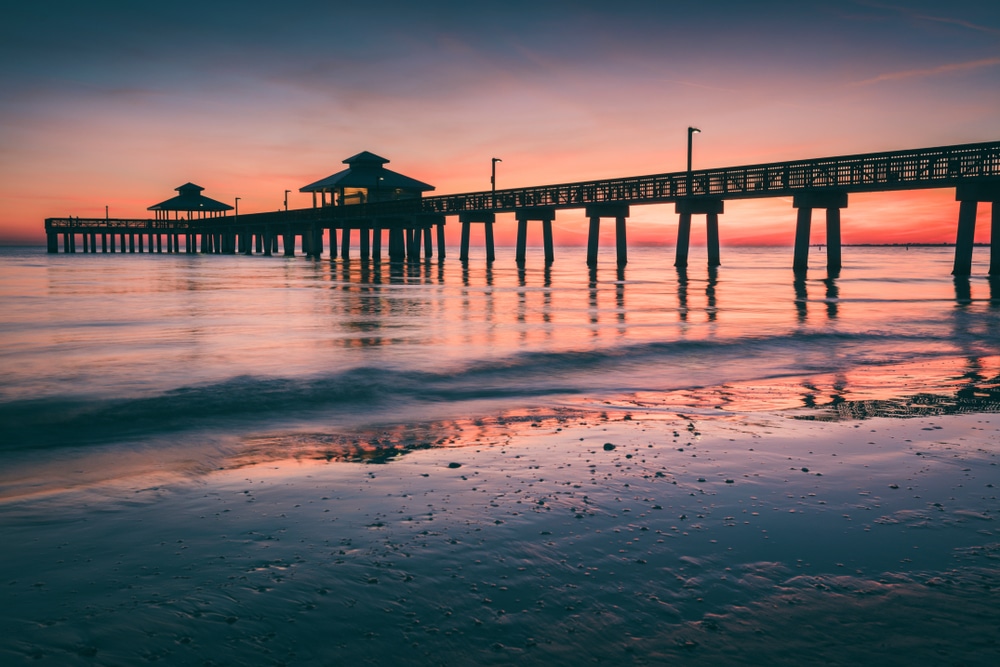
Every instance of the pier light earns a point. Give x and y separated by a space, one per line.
286 199
691 132
493 180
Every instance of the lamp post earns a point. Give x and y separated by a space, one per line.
286 199
237 207
493 180
691 132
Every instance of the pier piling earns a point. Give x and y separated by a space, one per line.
685 208
832 201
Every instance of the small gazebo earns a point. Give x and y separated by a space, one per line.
365 180
191 201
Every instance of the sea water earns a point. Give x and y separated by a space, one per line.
128 383
100 349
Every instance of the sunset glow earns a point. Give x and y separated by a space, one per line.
109 109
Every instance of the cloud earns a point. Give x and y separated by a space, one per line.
959 22
929 71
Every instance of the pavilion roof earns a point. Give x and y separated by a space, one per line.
365 170
190 199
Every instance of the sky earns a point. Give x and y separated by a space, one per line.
117 103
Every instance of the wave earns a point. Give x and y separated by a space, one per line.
249 401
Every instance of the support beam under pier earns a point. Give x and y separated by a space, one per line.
397 244
709 206
969 197
597 211
440 239
485 217
546 215
832 201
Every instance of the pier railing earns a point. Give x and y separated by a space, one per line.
119 224
946 166
941 167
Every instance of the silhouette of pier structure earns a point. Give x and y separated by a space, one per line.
373 202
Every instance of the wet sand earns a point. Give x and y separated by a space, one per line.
587 534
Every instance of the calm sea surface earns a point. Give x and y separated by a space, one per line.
731 466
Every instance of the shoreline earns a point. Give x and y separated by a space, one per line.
523 537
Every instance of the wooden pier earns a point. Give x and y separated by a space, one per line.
411 226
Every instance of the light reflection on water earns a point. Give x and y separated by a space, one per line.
109 317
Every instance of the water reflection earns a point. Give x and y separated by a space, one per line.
229 313
713 279
593 308
831 297
801 296
682 293
620 298
963 291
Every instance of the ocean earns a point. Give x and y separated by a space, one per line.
250 460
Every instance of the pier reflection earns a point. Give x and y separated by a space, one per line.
963 291
994 282
682 293
975 388
711 308
831 296
684 285
801 296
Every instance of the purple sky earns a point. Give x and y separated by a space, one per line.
110 103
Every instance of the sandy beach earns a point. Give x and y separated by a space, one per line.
580 534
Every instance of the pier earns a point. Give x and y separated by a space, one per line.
378 207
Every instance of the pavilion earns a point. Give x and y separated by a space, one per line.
365 180
190 200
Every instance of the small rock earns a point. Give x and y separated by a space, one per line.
454 465
608 446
